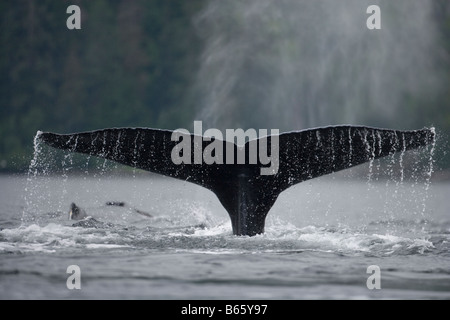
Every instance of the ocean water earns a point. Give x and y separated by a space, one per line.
321 237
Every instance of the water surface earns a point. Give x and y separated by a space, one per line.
320 238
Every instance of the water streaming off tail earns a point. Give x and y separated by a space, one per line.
57 178
381 192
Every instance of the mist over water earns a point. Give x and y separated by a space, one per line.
294 64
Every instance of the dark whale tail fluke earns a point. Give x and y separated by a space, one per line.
243 191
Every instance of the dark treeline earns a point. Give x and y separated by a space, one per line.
131 64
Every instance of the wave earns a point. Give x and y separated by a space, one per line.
280 238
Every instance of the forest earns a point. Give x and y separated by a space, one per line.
132 63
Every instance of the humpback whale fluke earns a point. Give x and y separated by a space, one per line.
243 191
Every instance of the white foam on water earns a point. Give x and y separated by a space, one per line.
54 237
346 240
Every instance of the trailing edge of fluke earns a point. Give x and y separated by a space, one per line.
243 191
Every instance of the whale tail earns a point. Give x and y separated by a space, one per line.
246 194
